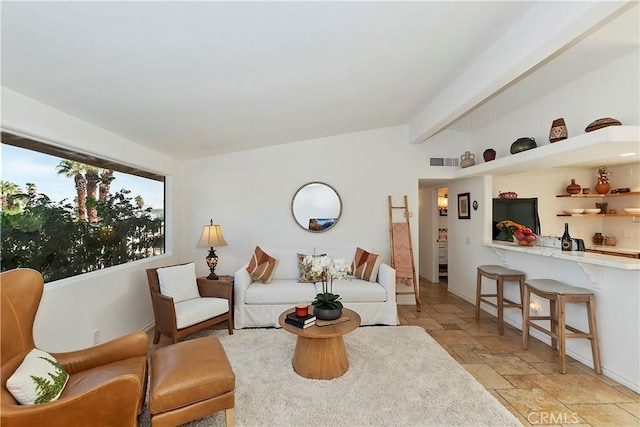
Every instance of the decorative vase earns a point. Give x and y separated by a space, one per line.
467 159
558 130
573 188
597 239
602 187
327 314
489 154
523 144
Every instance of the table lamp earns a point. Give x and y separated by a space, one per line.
212 237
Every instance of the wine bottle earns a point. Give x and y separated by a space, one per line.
566 242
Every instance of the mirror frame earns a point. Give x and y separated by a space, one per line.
302 187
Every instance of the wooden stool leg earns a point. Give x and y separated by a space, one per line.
562 335
553 313
593 330
228 415
478 293
500 292
525 319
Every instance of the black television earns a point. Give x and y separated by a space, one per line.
523 211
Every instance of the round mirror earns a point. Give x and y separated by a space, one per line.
316 207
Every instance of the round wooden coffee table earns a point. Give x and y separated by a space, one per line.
320 353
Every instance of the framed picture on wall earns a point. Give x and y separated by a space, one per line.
443 212
463 206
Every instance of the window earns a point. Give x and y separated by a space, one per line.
66 213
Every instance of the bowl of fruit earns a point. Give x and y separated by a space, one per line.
525 237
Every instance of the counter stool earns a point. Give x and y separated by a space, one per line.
190 380
559 294
500 275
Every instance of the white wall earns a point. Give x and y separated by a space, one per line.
114 301
249 194
579 102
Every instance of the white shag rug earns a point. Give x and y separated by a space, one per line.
398 376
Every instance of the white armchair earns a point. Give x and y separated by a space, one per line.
183 304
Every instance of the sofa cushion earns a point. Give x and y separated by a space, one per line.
38 379
261 265
365 265
280 291
357 290
179 282
198 310
304 270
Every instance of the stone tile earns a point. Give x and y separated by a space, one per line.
529 357
508 365
605 415
538 407
487 376
523 420
484 329
467 353
448 318
447 308
450 337
450 326
571 388
589 370
502 344
628 392
631 407
427 324
554 368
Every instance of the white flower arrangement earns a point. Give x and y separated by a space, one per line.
327 270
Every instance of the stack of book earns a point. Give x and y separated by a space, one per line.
300 322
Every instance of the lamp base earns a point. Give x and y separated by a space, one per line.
212 262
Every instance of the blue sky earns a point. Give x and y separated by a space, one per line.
21 166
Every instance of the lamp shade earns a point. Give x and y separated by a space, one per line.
212 236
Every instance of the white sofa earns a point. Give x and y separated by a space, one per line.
257 304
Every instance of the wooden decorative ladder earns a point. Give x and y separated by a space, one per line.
402 252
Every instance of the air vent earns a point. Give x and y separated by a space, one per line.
444 161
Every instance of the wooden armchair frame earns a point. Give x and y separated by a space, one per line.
165 313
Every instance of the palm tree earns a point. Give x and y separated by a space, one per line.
92 177
106 176
70 168
139 201
10 191
31 189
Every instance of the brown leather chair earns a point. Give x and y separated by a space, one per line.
164 308
107 383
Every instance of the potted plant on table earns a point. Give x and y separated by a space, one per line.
327 305
603 186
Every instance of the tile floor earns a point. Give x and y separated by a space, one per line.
526 382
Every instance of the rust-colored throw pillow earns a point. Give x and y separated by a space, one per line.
261 265
304 271
365 265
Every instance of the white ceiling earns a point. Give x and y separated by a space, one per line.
193 79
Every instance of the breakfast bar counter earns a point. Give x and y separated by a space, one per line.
600 259
615 281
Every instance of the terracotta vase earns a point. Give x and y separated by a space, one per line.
597 239
573 188
489 154
558 130
602 187
467 159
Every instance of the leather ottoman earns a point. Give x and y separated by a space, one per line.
190 380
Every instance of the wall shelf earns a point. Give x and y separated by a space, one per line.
598 196
599 215
603 146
